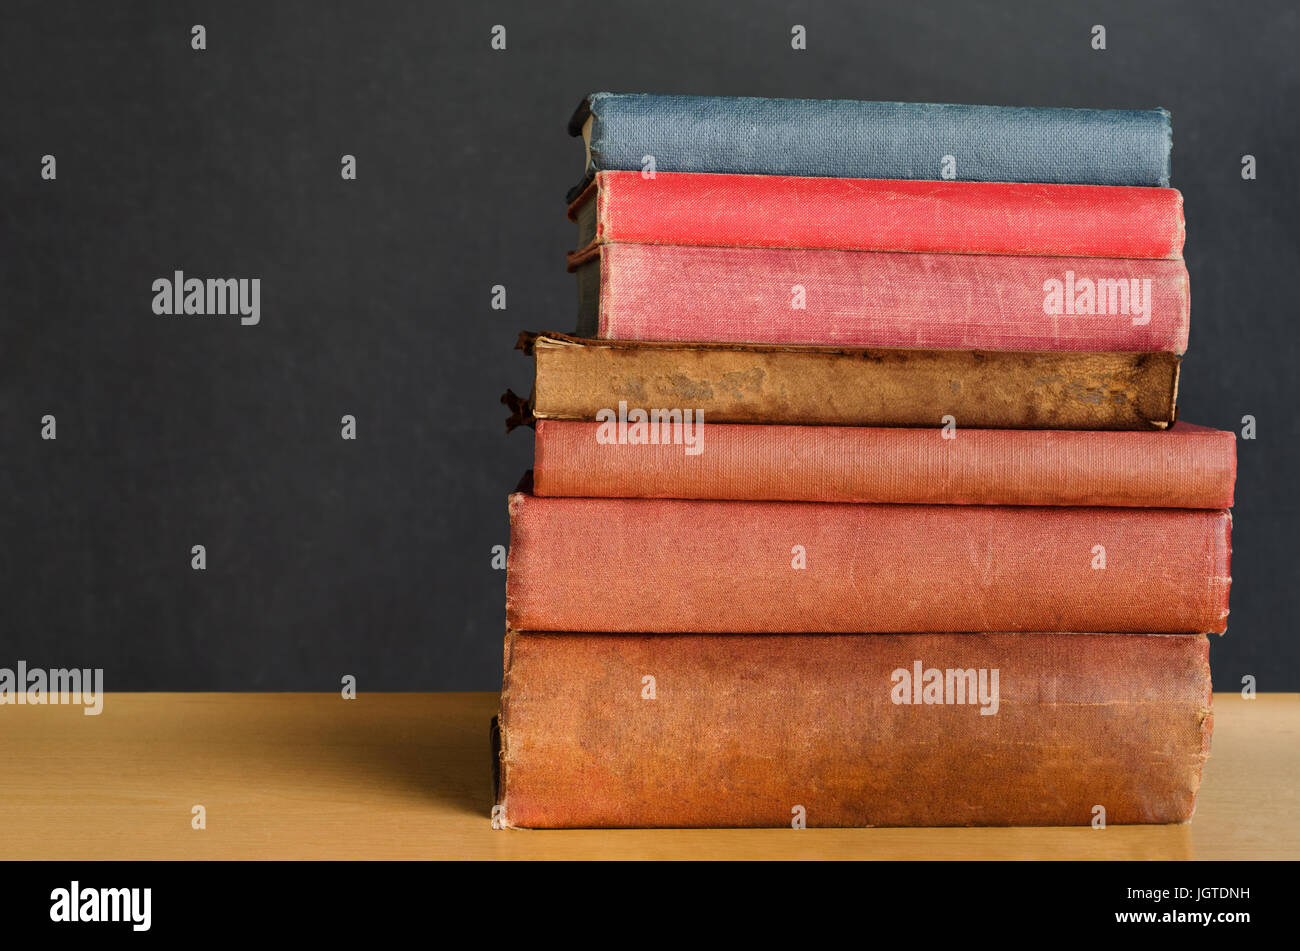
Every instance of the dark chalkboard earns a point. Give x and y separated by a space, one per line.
372 556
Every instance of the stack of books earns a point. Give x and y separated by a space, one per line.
858 496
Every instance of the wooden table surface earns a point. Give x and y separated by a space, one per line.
404 775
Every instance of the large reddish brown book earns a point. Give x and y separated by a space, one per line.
866 214
821 297
672 566
734 383
599 730
1184 467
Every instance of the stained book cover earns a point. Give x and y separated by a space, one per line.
676 566
578 378
996 729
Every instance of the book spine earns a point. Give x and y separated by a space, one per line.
801 297
690 731
983 390
763 211
668 566
842 139
1187 467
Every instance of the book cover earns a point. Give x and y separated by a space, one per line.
1184 467
850 139
857 214
965 729
693 566
819 297
730 383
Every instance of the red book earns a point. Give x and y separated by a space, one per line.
618 730
778 211
1184 467
672 566
820 297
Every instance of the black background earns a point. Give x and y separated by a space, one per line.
372 557
352 899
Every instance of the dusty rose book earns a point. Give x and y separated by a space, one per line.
824 297
997 729
1184 467
672 566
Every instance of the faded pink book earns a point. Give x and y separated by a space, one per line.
819 297
670 566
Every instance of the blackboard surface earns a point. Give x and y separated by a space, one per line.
373 557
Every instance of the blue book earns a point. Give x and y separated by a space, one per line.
848 139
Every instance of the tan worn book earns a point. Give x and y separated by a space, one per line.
579 378
618 730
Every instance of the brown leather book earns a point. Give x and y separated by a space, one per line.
676 566
848 730
578 378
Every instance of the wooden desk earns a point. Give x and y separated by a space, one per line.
287 776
